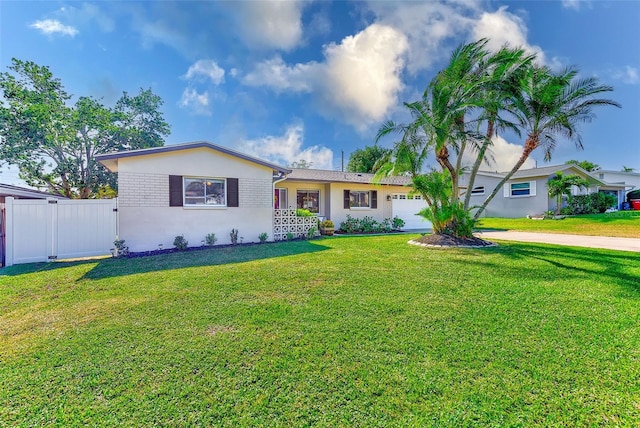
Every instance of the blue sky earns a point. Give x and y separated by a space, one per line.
307 80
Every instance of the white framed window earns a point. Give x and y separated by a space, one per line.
203 191
478 190
308 200
417 197
520 189
359 199
403 196
280 199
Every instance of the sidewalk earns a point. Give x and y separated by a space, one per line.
622 244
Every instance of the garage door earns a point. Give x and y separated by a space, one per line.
406 207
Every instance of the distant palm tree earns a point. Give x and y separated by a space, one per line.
560 184
552 105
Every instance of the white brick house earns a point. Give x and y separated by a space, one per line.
191 189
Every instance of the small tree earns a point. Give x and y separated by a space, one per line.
561 184
586 165
301 164
367 160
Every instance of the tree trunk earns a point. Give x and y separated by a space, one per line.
530 145
477 163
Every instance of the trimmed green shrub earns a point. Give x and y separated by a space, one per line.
301 212
180 243
211 239
590 204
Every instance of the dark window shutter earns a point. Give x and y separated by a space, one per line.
232 192
346 199
175 190
374 199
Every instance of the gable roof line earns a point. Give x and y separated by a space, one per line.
187 146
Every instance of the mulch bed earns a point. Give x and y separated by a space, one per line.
438 240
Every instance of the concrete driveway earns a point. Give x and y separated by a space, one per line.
622 244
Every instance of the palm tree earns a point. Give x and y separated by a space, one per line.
560 184
438 126
503 72
552 105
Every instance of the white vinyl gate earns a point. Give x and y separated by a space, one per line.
42 230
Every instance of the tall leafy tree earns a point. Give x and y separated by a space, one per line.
561 184
586 165
368 159
54 143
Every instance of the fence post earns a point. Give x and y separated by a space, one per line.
8 237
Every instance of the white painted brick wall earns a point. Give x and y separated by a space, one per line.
255 193
143 190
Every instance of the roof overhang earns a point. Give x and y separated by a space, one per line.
110 160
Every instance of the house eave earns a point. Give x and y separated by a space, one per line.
110 160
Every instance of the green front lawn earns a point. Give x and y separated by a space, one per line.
358 331
624 224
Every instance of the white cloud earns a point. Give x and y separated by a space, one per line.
288 148
363 74
270 23
87 14
196 102
52 26
358 82
502 156
280 77
428 26
571 4
501 28
628 75
206 68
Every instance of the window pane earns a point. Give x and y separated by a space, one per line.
519 189
215 192
193 187
204 191
309 200
359 199
478 190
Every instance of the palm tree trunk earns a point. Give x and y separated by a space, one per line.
442 156
530 145
477 163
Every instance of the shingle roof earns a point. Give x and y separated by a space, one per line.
321 175
546 171
186 146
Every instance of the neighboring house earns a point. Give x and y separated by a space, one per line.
24 193
631 180
195 189
336 194
526 193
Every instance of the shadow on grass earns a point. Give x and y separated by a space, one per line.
110 267
611 266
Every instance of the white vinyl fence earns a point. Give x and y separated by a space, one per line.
44 230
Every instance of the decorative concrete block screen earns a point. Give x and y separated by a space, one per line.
286 221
